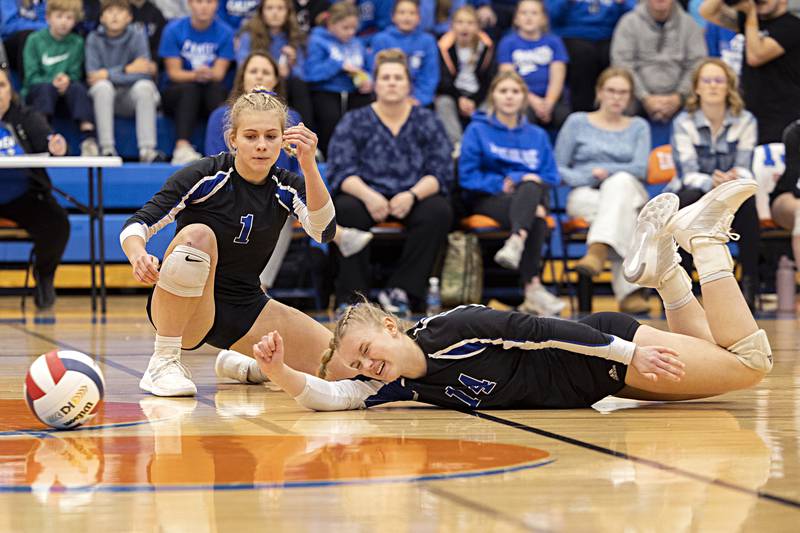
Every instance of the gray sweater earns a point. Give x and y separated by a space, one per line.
104 52
580 147
661 56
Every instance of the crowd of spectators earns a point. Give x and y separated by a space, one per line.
418 103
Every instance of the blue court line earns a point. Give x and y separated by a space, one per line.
278 485
40 433
641 460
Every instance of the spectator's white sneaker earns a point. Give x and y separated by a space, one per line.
510 254
151 155
539 301
185 154
711 216
89 147
167 376
352 241
238 367
653 252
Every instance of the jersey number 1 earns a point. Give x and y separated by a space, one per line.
247 226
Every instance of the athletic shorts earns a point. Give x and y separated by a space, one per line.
786 183
790 180
232 321
566 380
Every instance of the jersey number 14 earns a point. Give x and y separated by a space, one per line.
476 386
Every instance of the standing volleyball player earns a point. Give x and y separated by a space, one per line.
475 357
229 209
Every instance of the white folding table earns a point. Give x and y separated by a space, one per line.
97 250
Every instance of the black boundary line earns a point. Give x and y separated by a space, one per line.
516 425
635 459
136 374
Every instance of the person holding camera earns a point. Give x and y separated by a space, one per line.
771 67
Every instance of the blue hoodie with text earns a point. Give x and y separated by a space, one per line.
423 58
326 56
491 152
592 20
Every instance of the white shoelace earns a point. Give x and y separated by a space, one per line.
169 366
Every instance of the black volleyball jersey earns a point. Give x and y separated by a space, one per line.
245 218
479 358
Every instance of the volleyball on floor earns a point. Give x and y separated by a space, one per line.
64 388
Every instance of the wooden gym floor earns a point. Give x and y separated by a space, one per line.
246 458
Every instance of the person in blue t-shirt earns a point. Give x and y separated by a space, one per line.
235 12
336 70
18 19
197 51
586 27
274 28
25 195
419 47
540 58
505 168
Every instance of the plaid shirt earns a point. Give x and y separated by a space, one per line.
697 154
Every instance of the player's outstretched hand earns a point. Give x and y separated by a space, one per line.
653 362
145 269
269 353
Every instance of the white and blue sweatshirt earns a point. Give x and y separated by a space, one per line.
491 151
592 20
326 56
423 58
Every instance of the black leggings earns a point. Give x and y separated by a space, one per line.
47 223
745 223
329 108
517 211
426 225
188 103
587 59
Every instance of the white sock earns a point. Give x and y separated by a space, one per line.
676 289
712 259
167 346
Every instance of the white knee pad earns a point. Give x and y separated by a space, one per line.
185 271
754 351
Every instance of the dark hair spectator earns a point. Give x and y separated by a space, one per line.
771 66
26 196
391 161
